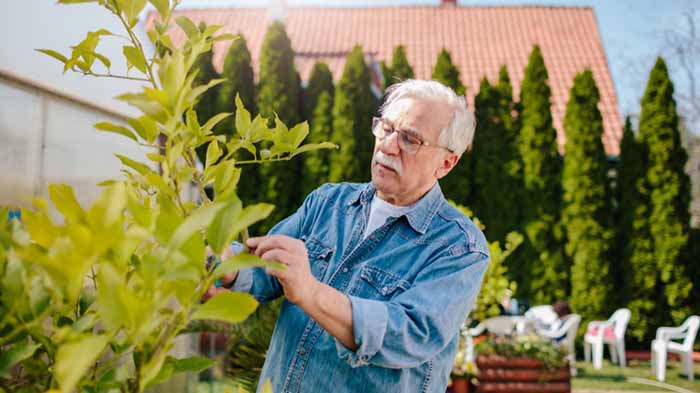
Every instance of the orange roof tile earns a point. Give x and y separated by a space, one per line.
480 40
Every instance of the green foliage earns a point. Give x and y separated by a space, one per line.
93 301
662 224
586 212
447 73
278 95
495 283
630 169
320 80
400 68
542 274
531 346
497 166
238 80
317 165
353 108
456 185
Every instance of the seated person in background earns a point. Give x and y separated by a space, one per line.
562 309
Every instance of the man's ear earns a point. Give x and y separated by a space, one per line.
448 162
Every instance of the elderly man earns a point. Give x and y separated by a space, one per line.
380 275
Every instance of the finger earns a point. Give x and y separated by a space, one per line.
279 255
274 241
209 293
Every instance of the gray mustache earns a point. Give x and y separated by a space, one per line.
392 163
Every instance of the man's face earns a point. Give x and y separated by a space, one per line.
402 178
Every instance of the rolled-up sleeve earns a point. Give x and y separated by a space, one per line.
420 322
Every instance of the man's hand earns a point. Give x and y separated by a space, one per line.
297 281
226 279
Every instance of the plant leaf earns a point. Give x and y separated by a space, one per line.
135 58
54 54
220 232
65 202
187 26
14 355
109 127
229 307
75 358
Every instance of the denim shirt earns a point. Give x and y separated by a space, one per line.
411 284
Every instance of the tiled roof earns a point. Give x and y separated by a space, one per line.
480 40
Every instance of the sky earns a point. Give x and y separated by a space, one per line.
632 32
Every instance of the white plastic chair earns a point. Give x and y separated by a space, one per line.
565 335
663 344
541 316
469 335
611 332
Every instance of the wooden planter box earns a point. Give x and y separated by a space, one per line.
520 375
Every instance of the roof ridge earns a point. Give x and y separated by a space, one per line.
388 7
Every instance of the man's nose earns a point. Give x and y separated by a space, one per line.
390 144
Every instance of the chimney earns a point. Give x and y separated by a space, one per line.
276 11
448 3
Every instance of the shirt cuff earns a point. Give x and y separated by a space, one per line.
244 281
369 324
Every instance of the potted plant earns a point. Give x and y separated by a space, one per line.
463 371
522 364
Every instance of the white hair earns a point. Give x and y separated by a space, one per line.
459 132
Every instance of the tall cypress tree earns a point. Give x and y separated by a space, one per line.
206 105
353 108
665 221
320 80
630 169
238 73
317 163
278 93
457 184
586 213
447 73
496 159
542 275
400 67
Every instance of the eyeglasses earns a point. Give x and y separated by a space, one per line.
409 141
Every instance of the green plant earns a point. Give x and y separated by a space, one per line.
660 279
95 302
400 68
497 166
542 273
586 212
495 283
353 107
532 346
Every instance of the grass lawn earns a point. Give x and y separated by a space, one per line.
610 378
613 378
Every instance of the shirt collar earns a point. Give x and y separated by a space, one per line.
419 217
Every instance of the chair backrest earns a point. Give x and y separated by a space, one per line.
500 325
570 325
621 318
543 314
690 326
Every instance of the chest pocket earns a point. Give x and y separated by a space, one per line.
375 283
319 256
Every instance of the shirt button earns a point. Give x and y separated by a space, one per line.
385 290
302 351
345 270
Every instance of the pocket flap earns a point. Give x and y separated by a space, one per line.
384 282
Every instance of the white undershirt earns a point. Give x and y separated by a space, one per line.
380 210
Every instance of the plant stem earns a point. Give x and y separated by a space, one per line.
110 75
